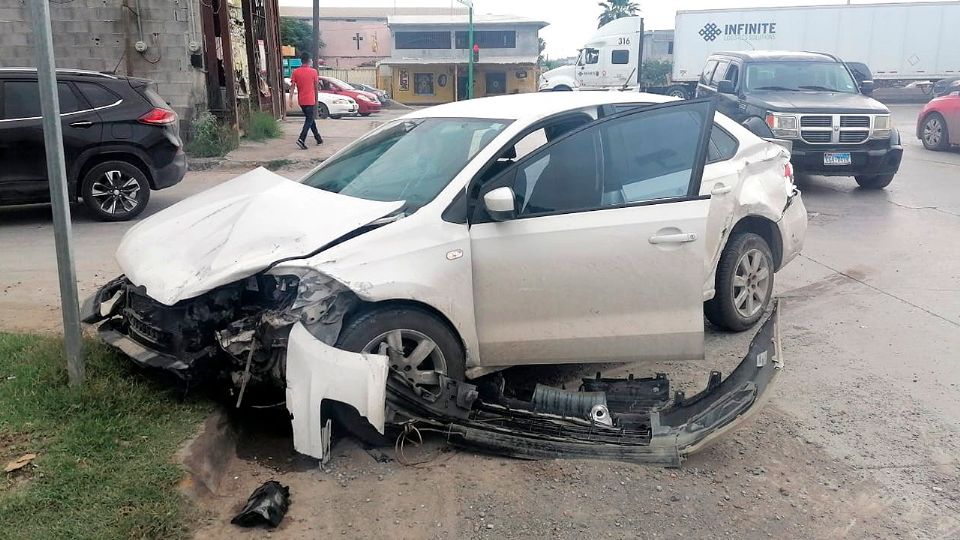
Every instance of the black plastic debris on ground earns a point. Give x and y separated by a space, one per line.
267 505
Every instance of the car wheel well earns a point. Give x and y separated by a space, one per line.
119 156
365 307
767 230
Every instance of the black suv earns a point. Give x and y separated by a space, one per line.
813 100
120 140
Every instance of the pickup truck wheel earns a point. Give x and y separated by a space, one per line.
878 181
115 191
934 133
420 347
744 283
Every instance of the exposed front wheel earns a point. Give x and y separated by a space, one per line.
877 181
324 111
420 346
115 191
744 283
934 133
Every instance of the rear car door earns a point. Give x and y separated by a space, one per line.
604 258
22 149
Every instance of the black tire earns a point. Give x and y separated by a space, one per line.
563 88
722 309
878 181
128 198
358 333
323 111
364 114
934 133
336 116
678 91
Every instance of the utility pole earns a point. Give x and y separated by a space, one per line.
316 34
470 44
57 174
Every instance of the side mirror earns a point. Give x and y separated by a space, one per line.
725 87
500 204
866 87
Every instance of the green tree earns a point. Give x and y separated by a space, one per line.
298 33
615 9
543 45
656 72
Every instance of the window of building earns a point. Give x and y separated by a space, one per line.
670 47
423 84
488 39
620 57
422 40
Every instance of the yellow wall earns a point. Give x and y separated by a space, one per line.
514 85
441 94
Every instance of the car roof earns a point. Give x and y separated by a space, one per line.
778 56
533 105
60 71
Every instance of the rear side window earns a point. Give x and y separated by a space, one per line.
97 95
620 57
21 99
722 147
708 72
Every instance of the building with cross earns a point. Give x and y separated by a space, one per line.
357 37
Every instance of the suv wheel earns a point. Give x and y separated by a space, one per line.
878 181
934 133
115 191
744 283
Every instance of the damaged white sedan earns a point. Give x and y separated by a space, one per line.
397 279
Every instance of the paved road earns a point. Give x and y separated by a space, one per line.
861 439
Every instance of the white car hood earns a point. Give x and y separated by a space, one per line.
235 230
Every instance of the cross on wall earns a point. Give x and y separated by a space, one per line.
358 38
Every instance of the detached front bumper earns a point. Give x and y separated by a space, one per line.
630 419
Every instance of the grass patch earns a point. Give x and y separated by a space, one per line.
105 465
263 126
209 137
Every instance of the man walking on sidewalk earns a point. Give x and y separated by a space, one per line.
303 82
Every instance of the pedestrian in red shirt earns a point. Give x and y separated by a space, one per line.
303 82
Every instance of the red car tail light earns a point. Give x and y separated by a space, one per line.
158 117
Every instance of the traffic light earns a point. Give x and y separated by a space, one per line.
476 52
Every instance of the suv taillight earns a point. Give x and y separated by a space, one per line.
158 117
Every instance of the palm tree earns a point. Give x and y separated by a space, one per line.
614 9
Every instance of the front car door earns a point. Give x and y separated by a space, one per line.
603 260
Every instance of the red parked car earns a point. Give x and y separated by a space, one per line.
938 125
367 102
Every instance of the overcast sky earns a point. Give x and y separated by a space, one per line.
571 21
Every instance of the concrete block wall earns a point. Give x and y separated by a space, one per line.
97 35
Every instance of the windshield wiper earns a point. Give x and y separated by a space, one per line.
777 88
821 88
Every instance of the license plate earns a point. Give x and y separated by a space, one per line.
836 158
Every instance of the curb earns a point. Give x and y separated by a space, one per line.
224 164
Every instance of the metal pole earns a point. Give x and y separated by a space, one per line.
316 34
57 174
470 52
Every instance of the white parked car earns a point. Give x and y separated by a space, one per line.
465 238
332 105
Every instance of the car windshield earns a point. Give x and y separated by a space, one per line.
339 84
800 76
408 160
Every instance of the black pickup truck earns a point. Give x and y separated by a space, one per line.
814 101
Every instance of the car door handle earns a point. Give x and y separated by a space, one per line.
81 124
721 189
681 238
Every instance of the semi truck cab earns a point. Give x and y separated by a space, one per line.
814 101
611 58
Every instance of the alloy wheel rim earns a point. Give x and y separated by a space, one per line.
932 131
413 355
751 283
116 193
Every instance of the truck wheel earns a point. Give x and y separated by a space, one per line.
427 347
878 181
678 91
744 283
934 133
115 191
562 88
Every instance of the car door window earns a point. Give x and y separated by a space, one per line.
719 72
21 99
562 177
708 72
653 154
592 56
733 74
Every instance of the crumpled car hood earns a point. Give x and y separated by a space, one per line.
235 230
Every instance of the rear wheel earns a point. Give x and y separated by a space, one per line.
878 181
678 92
744 283
115 191
934 133
421 347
